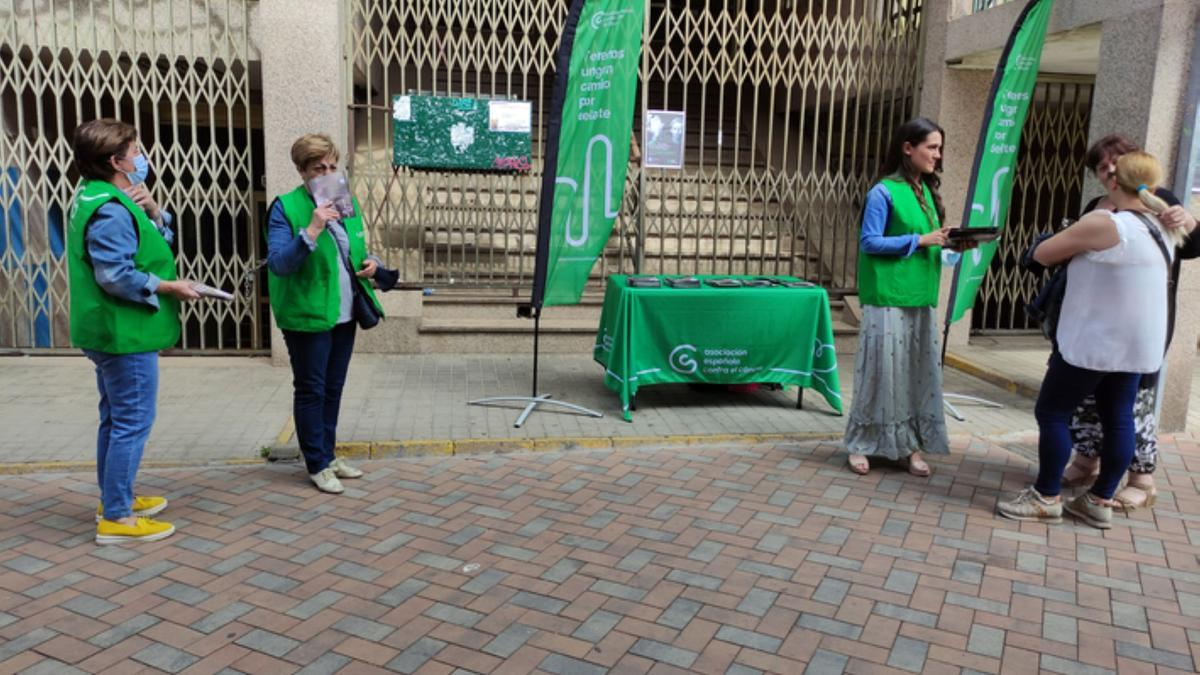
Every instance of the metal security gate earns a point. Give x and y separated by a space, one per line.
789 104
1047 187
179 71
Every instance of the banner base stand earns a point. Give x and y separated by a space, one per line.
532 403
971 399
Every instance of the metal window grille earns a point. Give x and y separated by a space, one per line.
789 105
179 71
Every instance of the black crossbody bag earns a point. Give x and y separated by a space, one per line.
362 310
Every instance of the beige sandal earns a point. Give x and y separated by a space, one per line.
859 464
1132 497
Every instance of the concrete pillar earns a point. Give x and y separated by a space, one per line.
1140 90
304 90
944 91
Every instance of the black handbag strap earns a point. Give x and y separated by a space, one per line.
1156 234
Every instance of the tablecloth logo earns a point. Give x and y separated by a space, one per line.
683 359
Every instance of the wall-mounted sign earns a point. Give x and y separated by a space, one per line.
474 134
663 136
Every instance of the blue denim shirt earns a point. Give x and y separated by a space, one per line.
874 223
112 241
286 252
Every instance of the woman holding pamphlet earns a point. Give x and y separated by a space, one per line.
897 407
124 308
319 276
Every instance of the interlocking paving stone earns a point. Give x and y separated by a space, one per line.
758 602
541 603
597 626
52 667
90 605
637 575
618 590
27 641
565 665
658 651
223 617
26 564
267 642
748 638
679 613
165 657
832 591
1161 657
364 628
825 662
272 582
901 581
1057 664
411 659
455 615
908 654
986 641
509 640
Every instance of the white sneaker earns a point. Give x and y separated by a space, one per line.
343 469
327 481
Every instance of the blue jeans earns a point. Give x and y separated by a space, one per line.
128 385
1063 389
319 364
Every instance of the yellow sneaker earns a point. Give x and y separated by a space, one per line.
143 507
113 532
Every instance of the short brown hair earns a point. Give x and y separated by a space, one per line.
310 148
1112 145
97 141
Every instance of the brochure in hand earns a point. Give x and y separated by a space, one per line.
335 188
209 292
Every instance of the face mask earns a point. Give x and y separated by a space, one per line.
141 169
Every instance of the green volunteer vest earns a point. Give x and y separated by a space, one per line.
100 321
309 299
897 281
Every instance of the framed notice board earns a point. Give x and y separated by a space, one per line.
469 134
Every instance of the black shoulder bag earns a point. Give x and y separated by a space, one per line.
362 310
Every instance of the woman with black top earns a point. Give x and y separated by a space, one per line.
1086 434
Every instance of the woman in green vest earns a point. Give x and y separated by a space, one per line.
124 308
897 409
311 251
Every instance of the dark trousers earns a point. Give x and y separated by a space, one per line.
319 364
1063 388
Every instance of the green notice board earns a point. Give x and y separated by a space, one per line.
440 132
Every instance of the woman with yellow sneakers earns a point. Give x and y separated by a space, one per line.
311 254
124 308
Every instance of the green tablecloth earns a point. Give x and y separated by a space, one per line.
716 335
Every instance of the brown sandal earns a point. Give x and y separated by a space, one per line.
1132 497
859 464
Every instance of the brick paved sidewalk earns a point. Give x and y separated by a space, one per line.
769 558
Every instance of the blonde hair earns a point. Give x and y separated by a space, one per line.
311 148
1139 173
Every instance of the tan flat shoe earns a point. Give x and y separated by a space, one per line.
1132 497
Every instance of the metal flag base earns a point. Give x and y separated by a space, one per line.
532 403
963 397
